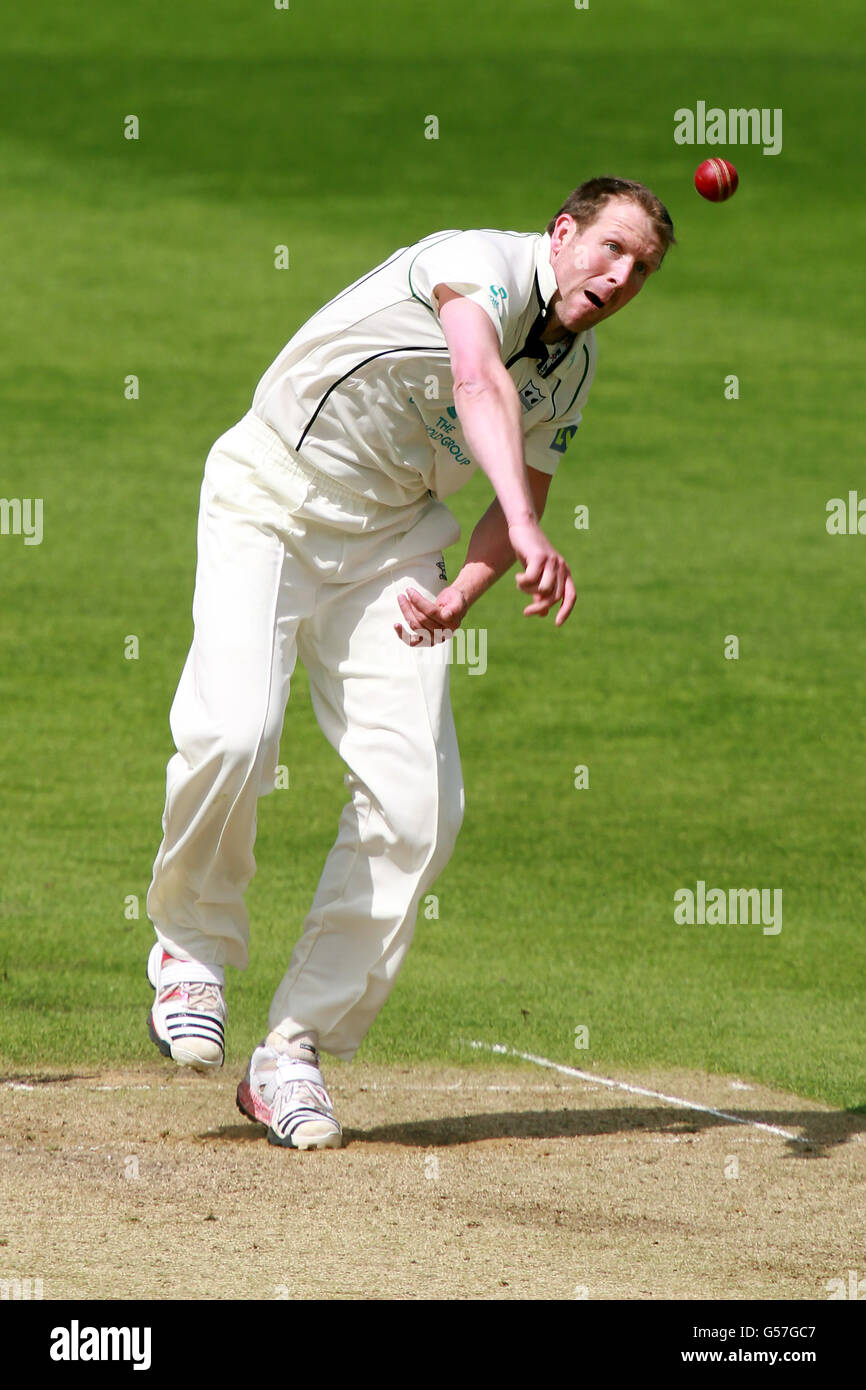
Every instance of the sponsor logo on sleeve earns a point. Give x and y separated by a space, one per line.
563 438
498 296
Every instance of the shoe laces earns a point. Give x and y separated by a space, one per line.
196 996
299 1089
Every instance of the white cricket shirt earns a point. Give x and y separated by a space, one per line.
364 392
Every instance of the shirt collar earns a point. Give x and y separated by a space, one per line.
547 355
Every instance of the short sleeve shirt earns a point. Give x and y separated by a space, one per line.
364 392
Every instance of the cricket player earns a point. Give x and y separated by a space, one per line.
321 530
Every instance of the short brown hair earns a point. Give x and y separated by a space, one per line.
586 202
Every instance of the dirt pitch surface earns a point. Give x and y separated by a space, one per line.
500 1182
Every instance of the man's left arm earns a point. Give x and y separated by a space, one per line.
489 556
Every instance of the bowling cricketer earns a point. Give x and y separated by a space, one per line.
321 530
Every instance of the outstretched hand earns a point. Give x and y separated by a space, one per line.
545 574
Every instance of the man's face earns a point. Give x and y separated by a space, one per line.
601 268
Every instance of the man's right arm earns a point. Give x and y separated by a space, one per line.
487 402
490 554
488 408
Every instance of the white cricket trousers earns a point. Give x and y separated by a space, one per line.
291 563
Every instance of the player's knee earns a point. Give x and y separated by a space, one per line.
243 748
430 822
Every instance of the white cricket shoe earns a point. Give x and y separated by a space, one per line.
188 1018
285 1090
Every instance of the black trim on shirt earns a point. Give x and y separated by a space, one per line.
372 358
582 380
356 284
533 339
535 346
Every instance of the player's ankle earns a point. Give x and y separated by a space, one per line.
304 1046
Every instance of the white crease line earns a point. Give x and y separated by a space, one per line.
596 1080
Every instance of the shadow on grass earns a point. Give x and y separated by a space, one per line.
818 1131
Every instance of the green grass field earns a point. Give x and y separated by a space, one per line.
155 257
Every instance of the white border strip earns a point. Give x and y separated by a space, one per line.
596 1080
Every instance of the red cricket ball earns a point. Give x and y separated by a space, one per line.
716 179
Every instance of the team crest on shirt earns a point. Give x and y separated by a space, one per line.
531 395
